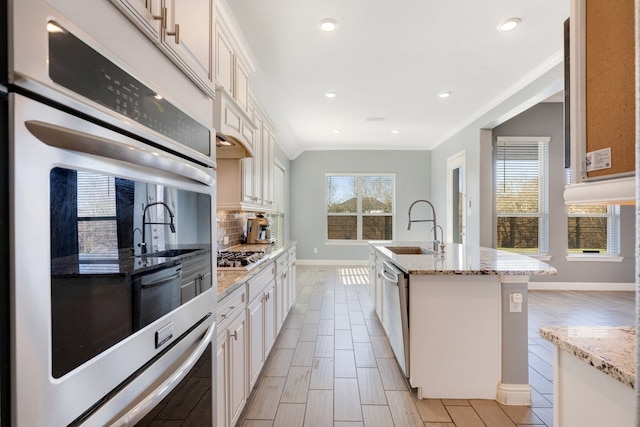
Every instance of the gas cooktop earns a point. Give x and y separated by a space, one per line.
239 260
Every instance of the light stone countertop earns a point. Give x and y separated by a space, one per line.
229 280
609 349
463 260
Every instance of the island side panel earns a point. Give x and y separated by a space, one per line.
514 388
455 333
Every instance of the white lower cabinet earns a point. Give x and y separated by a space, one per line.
261 320
231 356
247 332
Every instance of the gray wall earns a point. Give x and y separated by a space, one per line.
547 120
475 140
308 222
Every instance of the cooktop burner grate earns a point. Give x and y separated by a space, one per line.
239 260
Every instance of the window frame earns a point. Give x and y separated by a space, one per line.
358 213
543 194
613 232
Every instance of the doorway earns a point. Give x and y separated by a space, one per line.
456 198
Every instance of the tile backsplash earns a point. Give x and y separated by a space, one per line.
231 224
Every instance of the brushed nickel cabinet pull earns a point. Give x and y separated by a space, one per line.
234 335
176 27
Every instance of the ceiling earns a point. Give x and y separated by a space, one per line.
387 61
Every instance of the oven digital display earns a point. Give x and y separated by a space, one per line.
76 66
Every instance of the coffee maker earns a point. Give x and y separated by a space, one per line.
259 230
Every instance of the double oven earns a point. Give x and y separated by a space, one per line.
107 197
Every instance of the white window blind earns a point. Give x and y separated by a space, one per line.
593 229
521 177
277 218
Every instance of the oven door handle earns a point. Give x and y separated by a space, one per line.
133 152
143 407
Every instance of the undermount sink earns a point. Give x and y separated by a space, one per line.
169 253
409 250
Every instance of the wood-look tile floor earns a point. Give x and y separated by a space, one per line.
332 364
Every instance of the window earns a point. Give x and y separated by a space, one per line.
593 229
277 217
97 225
360 206
522 194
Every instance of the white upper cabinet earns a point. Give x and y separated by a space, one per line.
182 30
224 61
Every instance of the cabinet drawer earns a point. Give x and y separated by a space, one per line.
282 264
257 283
230 307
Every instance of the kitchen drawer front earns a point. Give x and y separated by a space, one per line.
257 283
230 307
282 264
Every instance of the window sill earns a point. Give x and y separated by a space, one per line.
594 258
353 242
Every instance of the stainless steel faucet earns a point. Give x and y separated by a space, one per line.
433 220
172 227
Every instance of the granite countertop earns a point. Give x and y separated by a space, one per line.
609 349
463 260
230 280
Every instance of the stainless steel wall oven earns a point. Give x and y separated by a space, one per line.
110 191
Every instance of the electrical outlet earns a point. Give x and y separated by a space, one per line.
315 250
226 240
515 302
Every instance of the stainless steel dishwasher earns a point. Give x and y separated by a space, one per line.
396 306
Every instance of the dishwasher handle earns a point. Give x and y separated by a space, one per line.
390 273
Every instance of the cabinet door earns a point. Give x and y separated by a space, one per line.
222 391
269 319
224 61
145 14
241 85
237 367
187 35
255 319
291 277
267 167
250 172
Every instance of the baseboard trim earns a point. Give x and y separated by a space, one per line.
358 262
581 286
514 394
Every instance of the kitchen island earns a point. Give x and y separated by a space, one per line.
593 375
467 318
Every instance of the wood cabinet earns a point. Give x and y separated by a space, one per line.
282 290
261 320
602 88
232 66
231 358
291 278
247 332
249 181
181 30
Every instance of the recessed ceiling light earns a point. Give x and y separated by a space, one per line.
375 119
330 94
328 25
444 94
509 24
395 130
336 131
